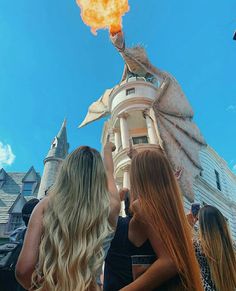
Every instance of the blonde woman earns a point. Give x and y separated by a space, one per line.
215 252
158 216
68 231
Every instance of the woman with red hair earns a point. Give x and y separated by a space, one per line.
158 216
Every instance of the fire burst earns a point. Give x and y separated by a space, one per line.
99 14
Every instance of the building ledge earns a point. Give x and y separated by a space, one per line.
121 158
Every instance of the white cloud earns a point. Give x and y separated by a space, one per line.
231 108
6 155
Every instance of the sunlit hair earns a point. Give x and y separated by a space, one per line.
153 182
75 225
217 246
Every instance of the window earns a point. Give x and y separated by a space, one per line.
15 221
54 143
140 139
218 180
27 188
130 91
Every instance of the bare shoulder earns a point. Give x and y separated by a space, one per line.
137 211
44 202
137 227
40 208
136 207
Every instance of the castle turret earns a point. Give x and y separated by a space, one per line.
56 154
130 122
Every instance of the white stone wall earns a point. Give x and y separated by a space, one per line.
142 89
50 172
206 191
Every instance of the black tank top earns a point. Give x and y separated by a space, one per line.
118 265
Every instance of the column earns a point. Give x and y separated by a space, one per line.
126 184
150 128
124 131
126 180
117 139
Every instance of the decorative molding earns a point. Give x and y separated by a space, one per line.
121 159
124 115
131 104
125 168
52 159
116 130
127 85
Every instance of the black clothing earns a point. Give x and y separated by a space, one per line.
8 281
118 265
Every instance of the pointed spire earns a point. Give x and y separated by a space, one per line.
2 174
59 146
2 177
62 131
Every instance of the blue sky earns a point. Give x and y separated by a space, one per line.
52 67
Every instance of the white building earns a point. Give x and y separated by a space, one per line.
131 120
217 186
130 103
129 123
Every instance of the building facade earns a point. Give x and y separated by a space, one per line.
18 188
15 190
216 185
130 122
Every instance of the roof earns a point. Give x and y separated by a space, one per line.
10 189
59 146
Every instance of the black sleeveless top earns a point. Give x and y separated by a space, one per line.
118 265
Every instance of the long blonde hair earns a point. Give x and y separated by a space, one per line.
75 225
153 182
217 246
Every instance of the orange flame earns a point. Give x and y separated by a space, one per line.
100 14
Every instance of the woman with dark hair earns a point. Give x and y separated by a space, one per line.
158 216
215 252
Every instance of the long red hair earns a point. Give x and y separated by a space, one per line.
154 184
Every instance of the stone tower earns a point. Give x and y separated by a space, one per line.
57 153
130 122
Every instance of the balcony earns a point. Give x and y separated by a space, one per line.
121 159
132 93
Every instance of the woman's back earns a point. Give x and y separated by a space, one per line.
67 232
118 263
157 204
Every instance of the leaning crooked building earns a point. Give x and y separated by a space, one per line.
149 109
